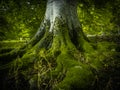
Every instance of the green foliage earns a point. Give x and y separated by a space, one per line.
96 20
23 17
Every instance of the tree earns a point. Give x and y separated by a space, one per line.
56 52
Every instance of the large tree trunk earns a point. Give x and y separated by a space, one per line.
56 51
60 20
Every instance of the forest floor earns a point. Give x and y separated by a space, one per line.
110 76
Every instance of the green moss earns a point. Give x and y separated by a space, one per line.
105 46
85 46
78 78
97 57
77 75
66 61
69 71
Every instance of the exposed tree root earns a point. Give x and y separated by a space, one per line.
55 61
58 56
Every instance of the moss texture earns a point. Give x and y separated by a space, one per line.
57 63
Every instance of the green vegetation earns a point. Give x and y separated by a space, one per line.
90 65
19 19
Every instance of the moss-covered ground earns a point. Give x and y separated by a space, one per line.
97 69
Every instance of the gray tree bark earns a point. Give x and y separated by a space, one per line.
59 13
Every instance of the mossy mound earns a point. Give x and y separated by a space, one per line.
77 74
94 69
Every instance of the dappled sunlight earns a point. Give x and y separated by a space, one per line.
76 46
